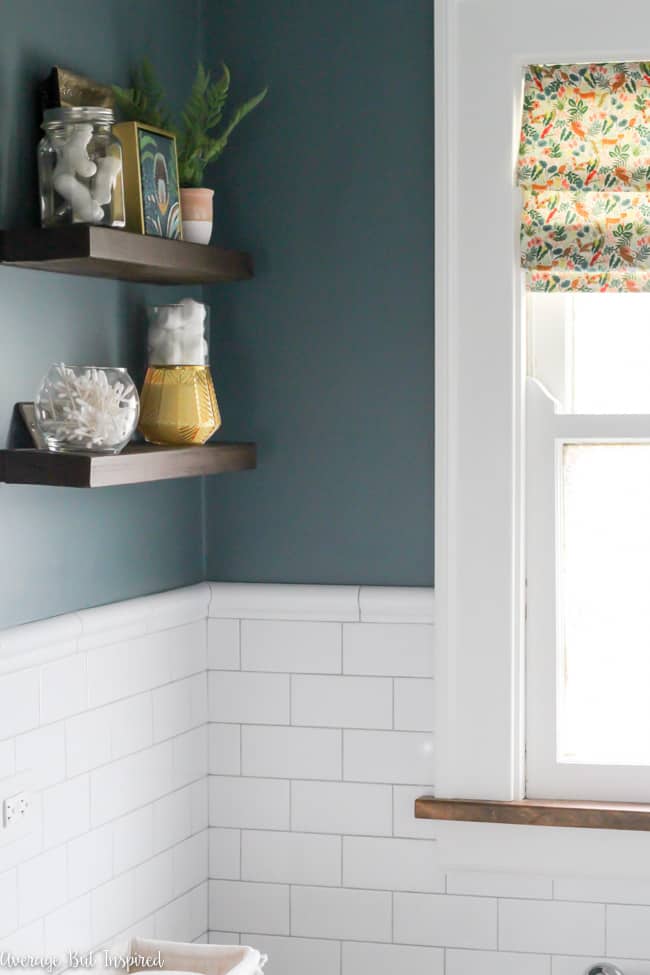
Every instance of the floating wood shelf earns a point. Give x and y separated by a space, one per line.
538 812
136 464
103 252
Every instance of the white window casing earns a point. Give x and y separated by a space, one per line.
482 47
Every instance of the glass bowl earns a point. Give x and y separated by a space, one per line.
87 409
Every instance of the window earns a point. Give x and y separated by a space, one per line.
481 56
588 548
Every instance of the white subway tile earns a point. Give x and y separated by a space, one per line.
109 675
552 927
200 804
361 958
64 689
41 885
341 807
199 914
461 962
390 864
19 702
291 858
248 698
26 940
224 938
291 647
485 883
236 906
42 752
291 753
283 602
90 860
8 903
172 819
66 811
342 702
453 922
128 668
131 725
388 649
225 854
224 749
179 707
223 644
325 912
190 757
188 650
387 756
172 710
7 758
603 890
302 956
175 921
249 803
130 783
405 823
112 907
190 863
628 931
68 929
87 741
154 884
133 839
414 704
392 604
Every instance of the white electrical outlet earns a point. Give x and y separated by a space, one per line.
15 809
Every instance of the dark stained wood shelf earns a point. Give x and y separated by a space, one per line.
138 463
538 812
103 252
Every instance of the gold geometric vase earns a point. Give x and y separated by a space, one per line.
178 404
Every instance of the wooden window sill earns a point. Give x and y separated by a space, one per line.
538 812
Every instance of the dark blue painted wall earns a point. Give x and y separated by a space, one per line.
327 357
66 549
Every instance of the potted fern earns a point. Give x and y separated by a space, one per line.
200 136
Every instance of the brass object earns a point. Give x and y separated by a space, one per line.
178 405
65 89
152 198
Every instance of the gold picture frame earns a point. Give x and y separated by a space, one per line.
151 188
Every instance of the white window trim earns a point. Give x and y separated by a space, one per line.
479 373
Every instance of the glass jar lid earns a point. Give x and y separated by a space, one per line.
79 113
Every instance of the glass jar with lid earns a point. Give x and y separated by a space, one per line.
178 401
80 168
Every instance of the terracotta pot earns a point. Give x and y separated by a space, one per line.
197 208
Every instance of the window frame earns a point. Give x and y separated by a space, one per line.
547 432
481 52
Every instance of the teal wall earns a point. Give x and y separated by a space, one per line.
66 549
327 357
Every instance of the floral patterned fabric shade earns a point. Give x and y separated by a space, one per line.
584 168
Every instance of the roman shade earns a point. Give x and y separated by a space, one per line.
584 170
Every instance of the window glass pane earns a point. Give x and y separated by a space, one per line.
592 351
604 601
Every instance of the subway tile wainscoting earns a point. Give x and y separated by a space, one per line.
239 763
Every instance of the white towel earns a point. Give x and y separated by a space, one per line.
178 957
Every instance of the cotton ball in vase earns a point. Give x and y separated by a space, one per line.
73 162
177 337
87 186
